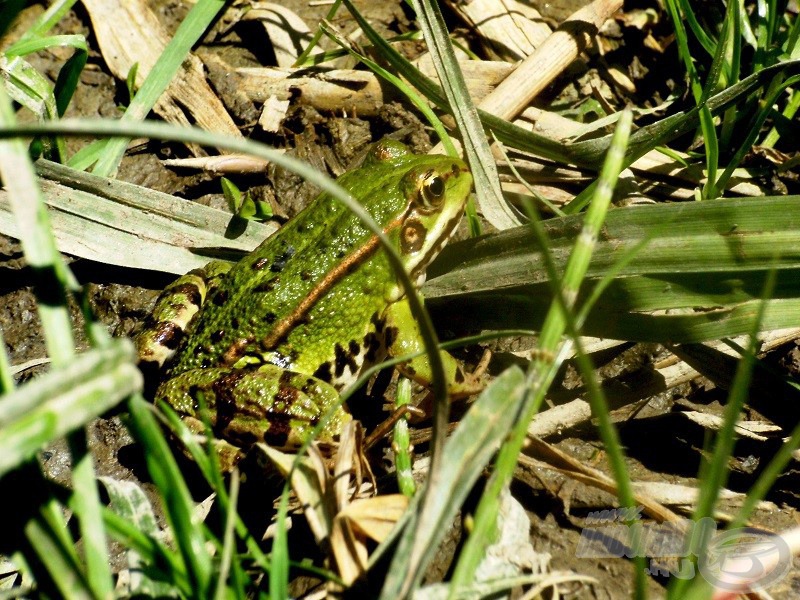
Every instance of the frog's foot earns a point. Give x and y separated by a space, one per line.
166 326
257 404
460 383
228 455
404 338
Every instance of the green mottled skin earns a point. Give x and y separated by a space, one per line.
301 316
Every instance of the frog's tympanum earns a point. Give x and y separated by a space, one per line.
271 341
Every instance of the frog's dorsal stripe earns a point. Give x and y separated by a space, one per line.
343 268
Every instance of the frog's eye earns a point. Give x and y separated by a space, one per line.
432 191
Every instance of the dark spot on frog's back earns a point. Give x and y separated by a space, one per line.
280 262
224 396
286 395
324 373
270 317
261 263
219 297
286 378
217 335
266 286
168 334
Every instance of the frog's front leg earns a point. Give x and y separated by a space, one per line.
169 321
262 403
404 337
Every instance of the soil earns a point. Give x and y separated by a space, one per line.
665 449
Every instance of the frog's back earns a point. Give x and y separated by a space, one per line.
309 298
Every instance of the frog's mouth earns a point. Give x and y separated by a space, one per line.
419 264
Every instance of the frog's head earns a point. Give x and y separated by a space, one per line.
436 189
419 200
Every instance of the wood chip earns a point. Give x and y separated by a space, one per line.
509 30
128 33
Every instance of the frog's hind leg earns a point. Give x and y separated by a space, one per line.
262 403
166 326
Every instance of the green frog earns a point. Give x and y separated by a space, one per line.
271 341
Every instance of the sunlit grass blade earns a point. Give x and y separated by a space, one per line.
465 455
48 538
753 129
64 411
40 250
415 99
476 147
54 12
193 26
177 500
542 368
302 60
48 408
714 473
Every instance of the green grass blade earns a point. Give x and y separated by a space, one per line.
466 453
47 536
193 26
542 369
705 40
178 503
31 45
717 473
753 130
228 538
279 563
52 276
161 561
401 85
476 147
67 81
85 503
714 473
303 58
54 404
48 19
